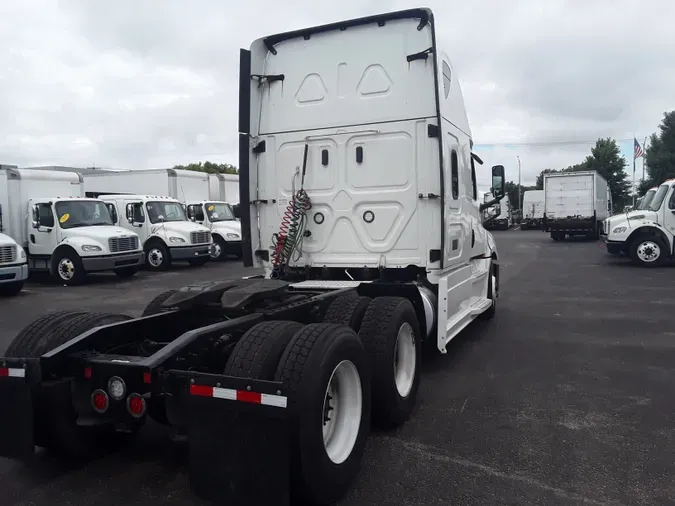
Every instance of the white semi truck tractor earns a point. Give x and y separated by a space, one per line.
360 205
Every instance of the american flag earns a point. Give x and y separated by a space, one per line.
637 149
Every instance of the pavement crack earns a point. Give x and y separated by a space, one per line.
432 452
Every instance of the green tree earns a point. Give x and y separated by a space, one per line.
511 189
660 155
209 167
606 158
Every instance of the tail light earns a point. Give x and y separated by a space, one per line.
136 405
99 401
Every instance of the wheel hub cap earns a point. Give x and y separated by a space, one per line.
155 257
405 360
342 410
648 251
66 269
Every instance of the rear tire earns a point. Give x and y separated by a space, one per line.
257 354
33 339
391 336
327 452
155 305
347 310
56 429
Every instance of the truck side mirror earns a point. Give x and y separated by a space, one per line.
498 181
191 213
130 213
36 216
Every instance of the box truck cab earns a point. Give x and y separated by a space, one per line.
219 218
13 264
166 233
63 232
620 219
645 235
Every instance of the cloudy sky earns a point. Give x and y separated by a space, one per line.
136 84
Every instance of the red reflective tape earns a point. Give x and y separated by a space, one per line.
252 397
202 390
12 372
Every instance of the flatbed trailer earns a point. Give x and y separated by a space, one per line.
276 379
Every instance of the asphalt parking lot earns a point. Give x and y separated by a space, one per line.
564 398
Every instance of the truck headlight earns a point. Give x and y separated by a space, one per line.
619 230
91 247
176 239
233 236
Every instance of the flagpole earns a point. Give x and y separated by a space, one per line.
633 171
644 158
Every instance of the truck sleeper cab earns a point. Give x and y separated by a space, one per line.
362 209
166 234
645 235
225 229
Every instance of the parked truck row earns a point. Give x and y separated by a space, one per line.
363 212
66 224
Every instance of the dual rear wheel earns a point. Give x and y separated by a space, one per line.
360 366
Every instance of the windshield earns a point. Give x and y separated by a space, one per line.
646 200
219 211
165 211
82 213
658 197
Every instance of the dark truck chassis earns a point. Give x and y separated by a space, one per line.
174 361
572 226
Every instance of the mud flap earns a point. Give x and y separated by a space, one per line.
238 437
17 377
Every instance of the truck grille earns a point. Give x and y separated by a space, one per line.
200 237
7 254
120 244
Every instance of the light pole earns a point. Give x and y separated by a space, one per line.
520 195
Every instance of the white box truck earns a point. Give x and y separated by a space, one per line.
192 189
61 231
13 263
359 202
575 203
166 233
533 209
224 188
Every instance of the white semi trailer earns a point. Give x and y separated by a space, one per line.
61 231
